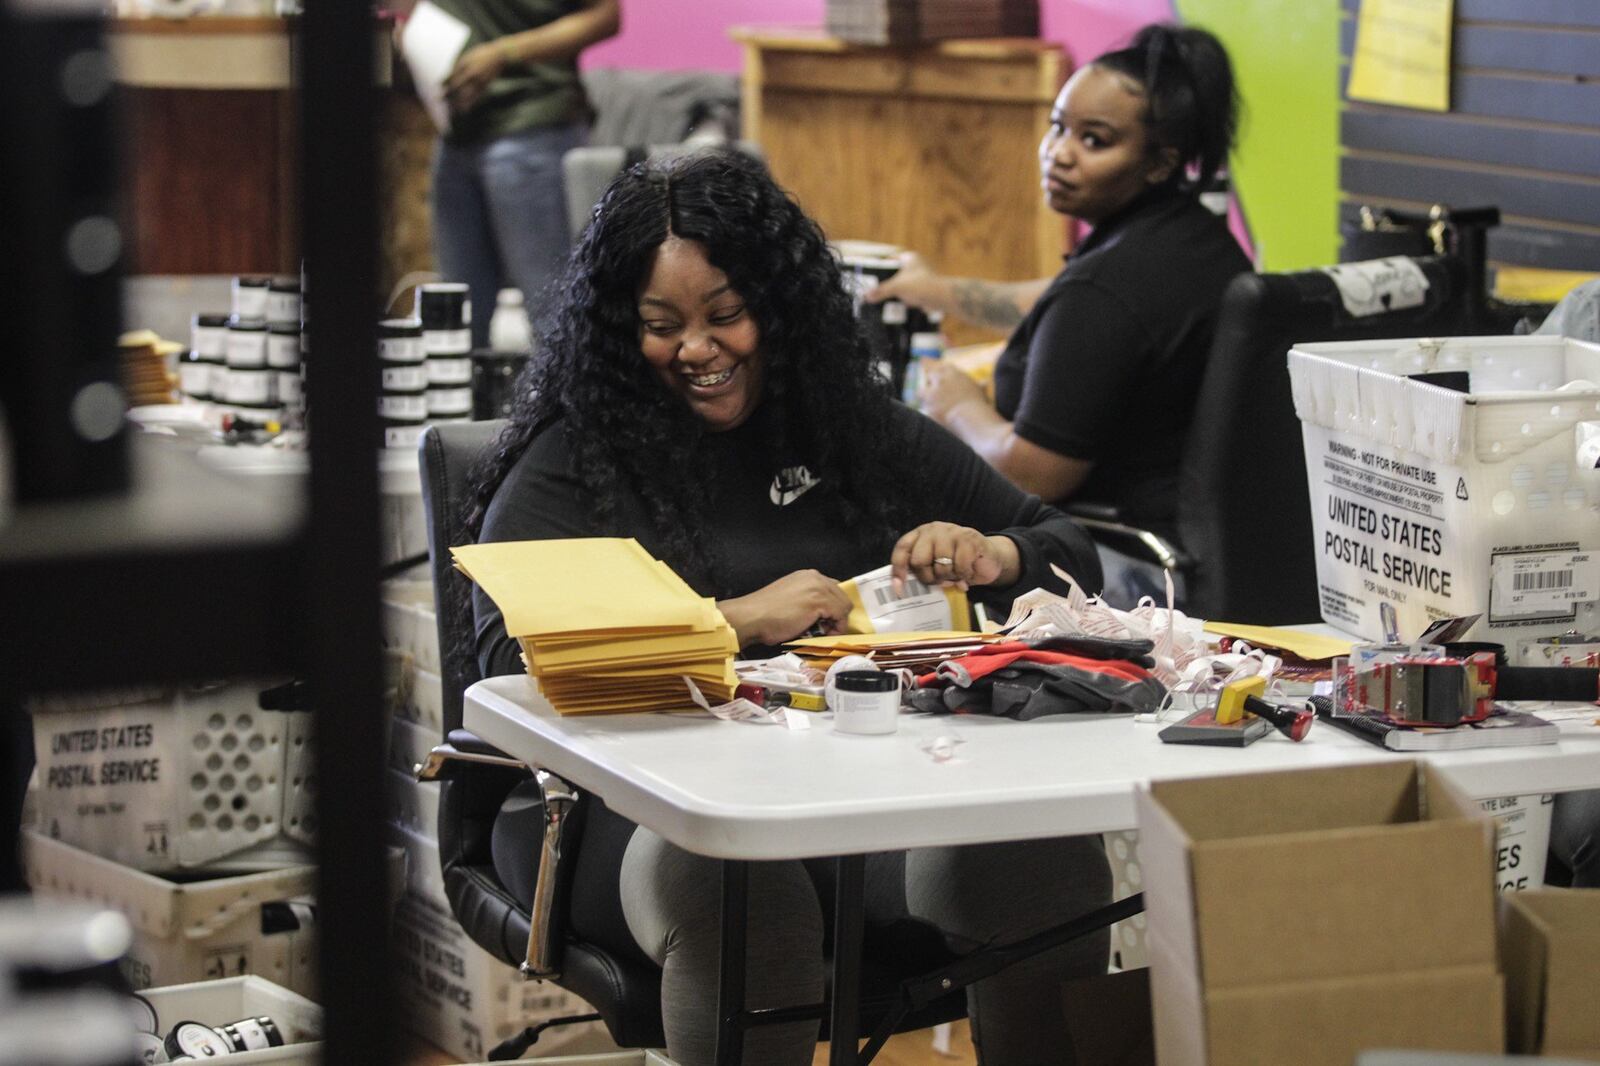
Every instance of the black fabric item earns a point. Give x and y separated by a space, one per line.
1133 651
758 539
1107 364
1025 691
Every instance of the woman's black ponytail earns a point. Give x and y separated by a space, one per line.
1192 103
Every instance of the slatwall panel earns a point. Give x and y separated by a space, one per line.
1523 132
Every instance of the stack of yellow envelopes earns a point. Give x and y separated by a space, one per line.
604 627
917 651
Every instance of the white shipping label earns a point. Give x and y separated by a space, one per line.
1535 583
1379 285
918 609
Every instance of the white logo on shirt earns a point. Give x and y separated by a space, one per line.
790 484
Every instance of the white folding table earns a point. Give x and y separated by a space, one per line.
742 791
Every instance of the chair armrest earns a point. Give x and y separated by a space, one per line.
1162 551
463 750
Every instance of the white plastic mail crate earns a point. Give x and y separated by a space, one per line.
457 996
1446 503
220 1002
195 930
163 780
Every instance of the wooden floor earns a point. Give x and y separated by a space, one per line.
907 1049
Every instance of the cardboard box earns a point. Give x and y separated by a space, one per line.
1354 900
1324 1022
176 779
1551 944
1447 503
192 931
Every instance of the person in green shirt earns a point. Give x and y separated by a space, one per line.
516 106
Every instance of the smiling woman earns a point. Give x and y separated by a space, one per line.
704 388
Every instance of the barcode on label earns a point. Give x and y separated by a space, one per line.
1541 580
913 587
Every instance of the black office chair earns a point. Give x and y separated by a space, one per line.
1244 511
493 806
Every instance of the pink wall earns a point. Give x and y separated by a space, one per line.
692 34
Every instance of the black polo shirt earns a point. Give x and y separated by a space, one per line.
1107 365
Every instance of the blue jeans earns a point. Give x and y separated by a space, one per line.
500 216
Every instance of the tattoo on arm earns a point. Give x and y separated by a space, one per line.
986 303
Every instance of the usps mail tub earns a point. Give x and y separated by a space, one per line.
169 779
1447 503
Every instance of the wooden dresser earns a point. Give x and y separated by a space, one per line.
932 148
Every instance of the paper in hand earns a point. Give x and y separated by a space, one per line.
432 42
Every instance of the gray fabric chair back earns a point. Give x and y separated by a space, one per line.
445 455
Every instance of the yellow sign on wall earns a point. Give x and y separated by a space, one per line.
1402 53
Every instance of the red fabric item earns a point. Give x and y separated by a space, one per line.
977 664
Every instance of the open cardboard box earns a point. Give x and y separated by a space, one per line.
1301 917
1551 945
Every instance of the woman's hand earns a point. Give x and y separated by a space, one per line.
944 388
787 608
943 553
914 283
470 78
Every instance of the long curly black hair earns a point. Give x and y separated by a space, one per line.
822 404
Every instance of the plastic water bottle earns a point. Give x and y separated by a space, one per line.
926 345
508 328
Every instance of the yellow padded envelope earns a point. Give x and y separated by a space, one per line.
604 627
1312 647
585 585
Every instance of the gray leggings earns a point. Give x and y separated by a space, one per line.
981 894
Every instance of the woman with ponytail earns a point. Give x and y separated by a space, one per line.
1094 392
703 387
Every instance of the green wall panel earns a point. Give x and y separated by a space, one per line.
1286 58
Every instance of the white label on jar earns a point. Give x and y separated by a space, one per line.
250 386
403 408
249 301
283 350
194 379
247 348
283 306
289 386
405 378
209 342
449 401
449 371
402 436
401 350
447 341
865 712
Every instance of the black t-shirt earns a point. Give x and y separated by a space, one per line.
1107 365
771 519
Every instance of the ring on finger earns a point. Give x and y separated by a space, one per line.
943 560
